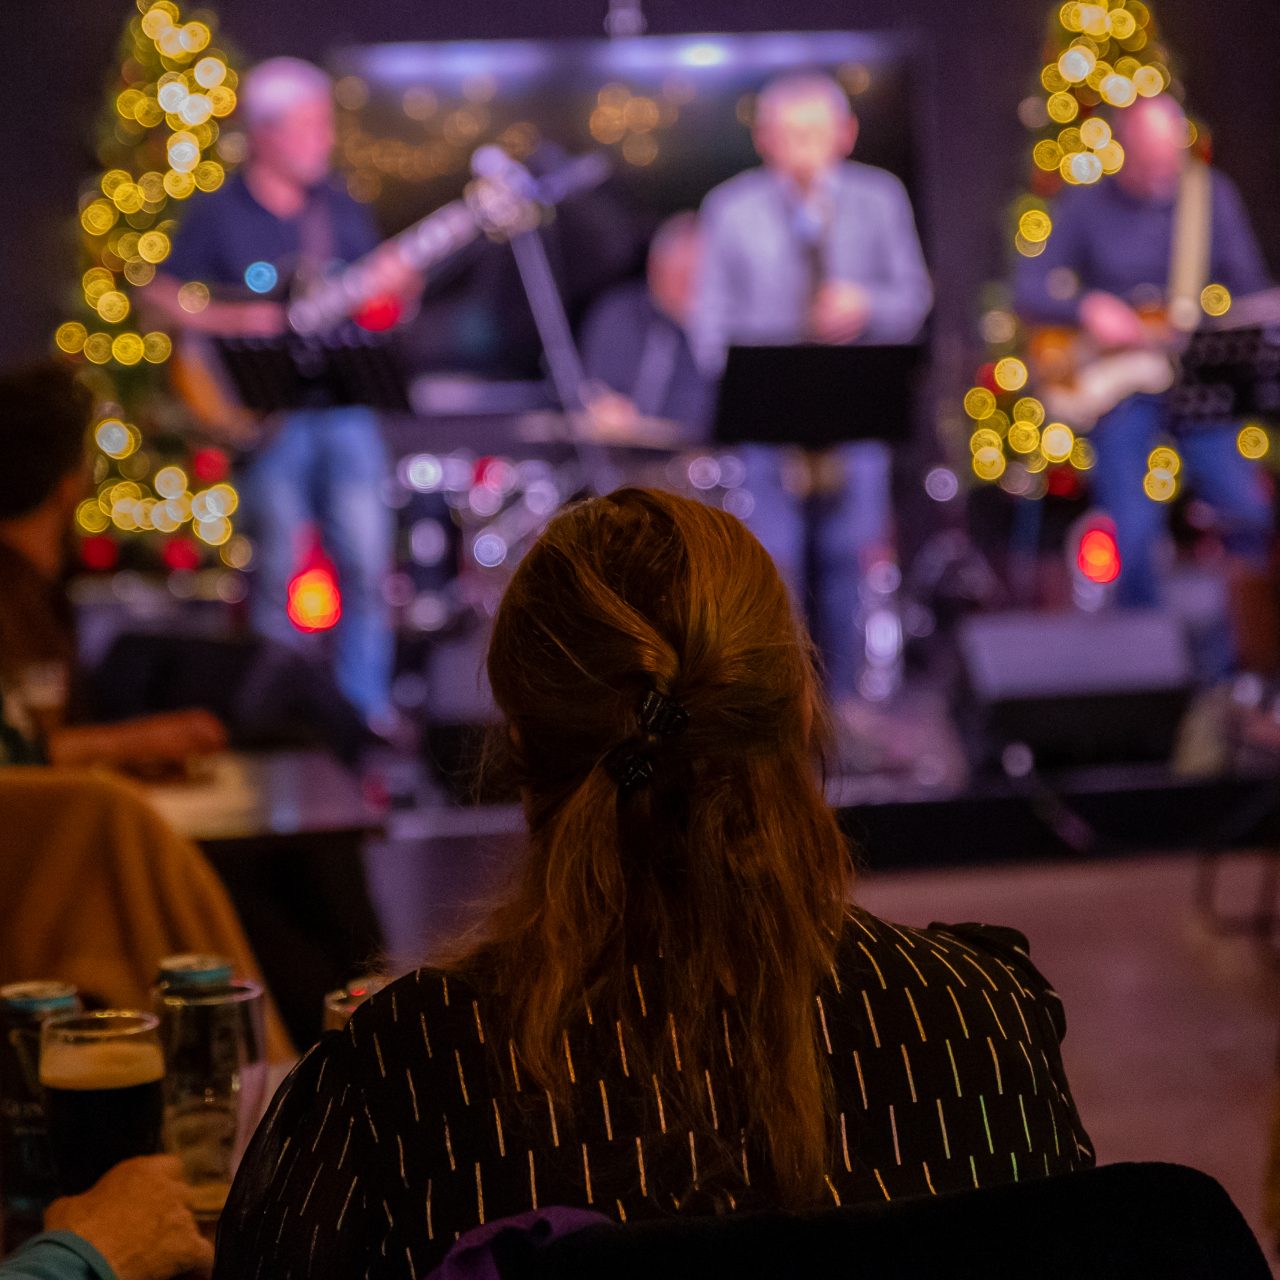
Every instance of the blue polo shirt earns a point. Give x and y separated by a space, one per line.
1109 239
228 239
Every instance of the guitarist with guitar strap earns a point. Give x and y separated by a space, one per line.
279 220
1151 238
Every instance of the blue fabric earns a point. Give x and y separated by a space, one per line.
56 1255
1121 243
224 233
1212 464
848 525
639 351
326 467
474 1255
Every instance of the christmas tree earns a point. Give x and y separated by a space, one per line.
1096 55
159 501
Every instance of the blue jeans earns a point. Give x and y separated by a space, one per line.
324 467
1230 483
847 525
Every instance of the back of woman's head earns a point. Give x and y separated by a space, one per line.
692 846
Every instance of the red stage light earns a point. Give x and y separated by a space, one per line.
315 604
1098 556
210 465
181 553
99 553
379 314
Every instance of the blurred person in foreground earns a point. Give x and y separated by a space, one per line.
1111 253
44 419
283 218
813 247
676 1009
133 1224
635 349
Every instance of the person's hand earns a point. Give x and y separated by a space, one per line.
840 312
1111 322
137 1217
612 417
169 737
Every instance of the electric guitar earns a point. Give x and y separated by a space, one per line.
229 385
1079 383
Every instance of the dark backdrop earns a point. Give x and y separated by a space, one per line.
981 61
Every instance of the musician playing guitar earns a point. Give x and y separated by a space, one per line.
1110 255
280 217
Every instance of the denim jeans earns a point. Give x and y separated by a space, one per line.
1218 472
325 468
847 525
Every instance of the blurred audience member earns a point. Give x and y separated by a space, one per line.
676 1010
44 417
134 1224
636 350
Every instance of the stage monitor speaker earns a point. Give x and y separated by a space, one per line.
1075 688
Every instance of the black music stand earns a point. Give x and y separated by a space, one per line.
1225 375
816 396
345 365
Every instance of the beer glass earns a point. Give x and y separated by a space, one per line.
215 1081
102 1076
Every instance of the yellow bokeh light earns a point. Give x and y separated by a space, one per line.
1148 81
1121 23
223 100
98 217
1052 79
196 109
1118 91
979 403
984 438
1163 458
1035 225
195 37
153 246
1093 19
1029 248
97 281
184 151
149 113
210 72
1084 456
139 273
1086 167
215 532
1070 141
170 482
1011 374
1111 157
1056 442
1099 73
97 348
1069 16
209 175
989 464
90 517
156 21
112 181
156 347
70 337
115 438
1029 409
1215 299
179 185
1253 442
113 306
127 104
1095 132
223 500
163 520
1047 155
1159 485
238 553
1076 64
193 297
127 348
1062 107
1024 436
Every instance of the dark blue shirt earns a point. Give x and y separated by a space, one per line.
226 234
1108 239
639 351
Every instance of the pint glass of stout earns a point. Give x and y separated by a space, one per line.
102 1076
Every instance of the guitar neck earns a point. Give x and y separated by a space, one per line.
422 245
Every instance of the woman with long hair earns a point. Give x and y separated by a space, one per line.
676 1009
